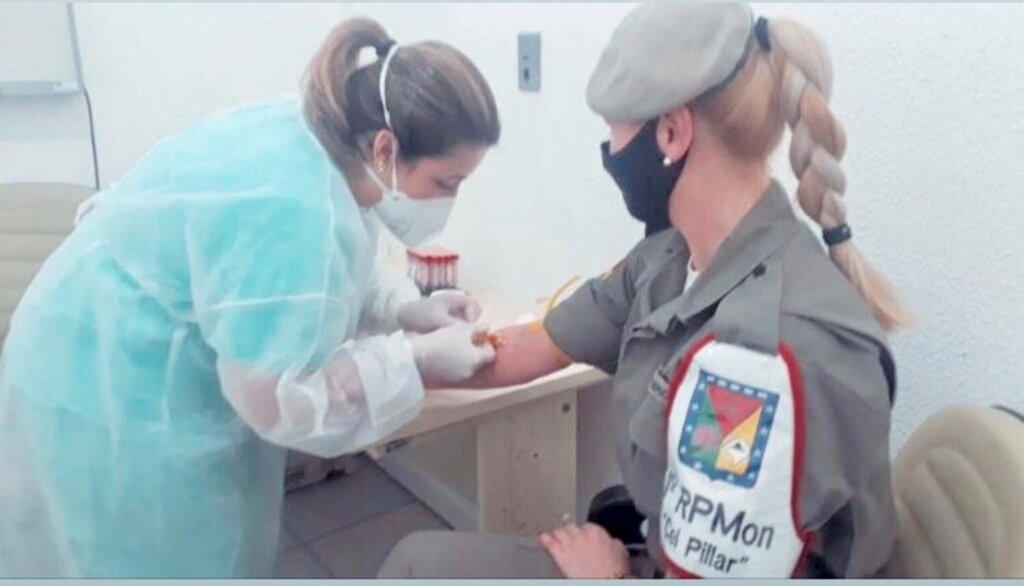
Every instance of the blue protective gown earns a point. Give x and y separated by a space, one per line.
204 299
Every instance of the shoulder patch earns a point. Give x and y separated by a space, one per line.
730 501
726 429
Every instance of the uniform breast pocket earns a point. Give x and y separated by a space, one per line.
647 426
647 436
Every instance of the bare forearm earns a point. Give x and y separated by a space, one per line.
523 354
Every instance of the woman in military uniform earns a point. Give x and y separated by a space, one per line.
753 382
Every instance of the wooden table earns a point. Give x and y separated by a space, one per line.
525 456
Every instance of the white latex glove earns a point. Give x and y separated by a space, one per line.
441 309
449 355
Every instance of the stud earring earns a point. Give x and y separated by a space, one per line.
667 162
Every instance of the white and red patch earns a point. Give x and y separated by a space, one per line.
735 449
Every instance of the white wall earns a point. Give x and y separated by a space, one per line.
41 138
35 44
930 96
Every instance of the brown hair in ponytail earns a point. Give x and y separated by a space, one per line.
436 97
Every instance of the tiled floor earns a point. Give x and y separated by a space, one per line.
345 527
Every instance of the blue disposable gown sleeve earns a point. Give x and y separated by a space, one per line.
274 294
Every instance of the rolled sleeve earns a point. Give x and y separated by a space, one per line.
588 325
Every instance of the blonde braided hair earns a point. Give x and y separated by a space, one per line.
791 83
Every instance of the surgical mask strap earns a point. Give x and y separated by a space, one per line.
382 84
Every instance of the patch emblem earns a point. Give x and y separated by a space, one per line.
726 430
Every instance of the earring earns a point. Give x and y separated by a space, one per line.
380 167
667 161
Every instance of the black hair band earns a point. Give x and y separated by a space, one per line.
837 235
384 47
761 33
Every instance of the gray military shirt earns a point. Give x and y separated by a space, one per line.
769 283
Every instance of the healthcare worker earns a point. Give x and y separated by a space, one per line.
200 319
752 379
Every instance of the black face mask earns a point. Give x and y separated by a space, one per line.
645 181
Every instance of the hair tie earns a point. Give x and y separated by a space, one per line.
837 234
390 51
385 47
761 33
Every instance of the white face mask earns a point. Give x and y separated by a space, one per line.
413 221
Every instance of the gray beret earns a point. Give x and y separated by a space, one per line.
666 54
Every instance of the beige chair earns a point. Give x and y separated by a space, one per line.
34 219
959 485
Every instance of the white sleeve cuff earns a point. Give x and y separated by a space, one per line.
392 385
388 293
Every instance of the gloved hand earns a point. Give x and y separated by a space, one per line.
449 355
441 309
